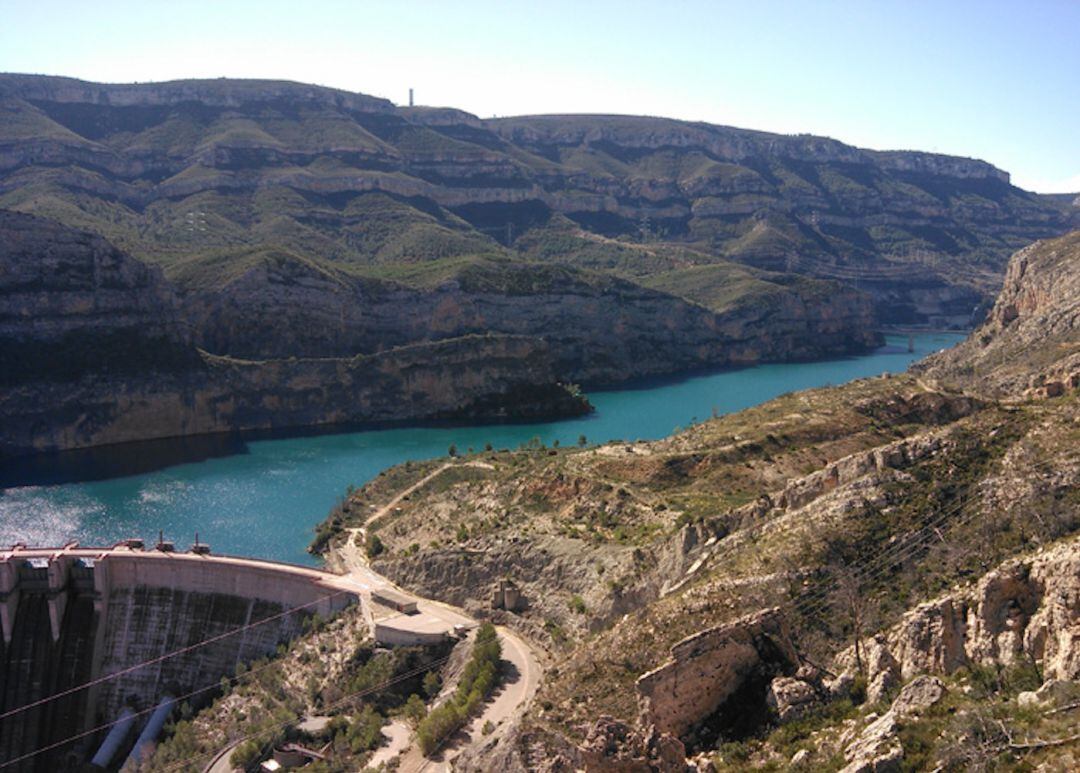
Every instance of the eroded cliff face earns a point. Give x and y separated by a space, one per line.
1025 611
715 667
600 329
475 377
95 351
69 300
1028 344
173 169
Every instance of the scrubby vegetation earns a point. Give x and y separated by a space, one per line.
979 725
331 671
479 678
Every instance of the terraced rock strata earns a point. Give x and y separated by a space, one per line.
95 350
172 171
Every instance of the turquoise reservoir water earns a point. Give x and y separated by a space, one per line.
266 499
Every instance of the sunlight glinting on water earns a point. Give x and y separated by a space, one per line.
266 502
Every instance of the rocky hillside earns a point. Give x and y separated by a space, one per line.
877 576
1031 340
94 349
602 329
185 169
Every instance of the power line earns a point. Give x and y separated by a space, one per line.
814 602
185 696
811 603
107 725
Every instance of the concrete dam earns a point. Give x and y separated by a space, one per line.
94 635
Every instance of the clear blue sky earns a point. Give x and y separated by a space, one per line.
991 79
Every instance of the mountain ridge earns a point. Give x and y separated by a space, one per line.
172 170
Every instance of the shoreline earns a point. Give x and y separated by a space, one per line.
137 457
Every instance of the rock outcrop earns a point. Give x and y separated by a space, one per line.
877 748
601 329
708 668
615 747
790 698
72 302
94 350
1026 610
1028 345
478 377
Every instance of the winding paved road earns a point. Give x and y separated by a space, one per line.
513 696
524 668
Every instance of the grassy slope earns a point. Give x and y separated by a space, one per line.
308 200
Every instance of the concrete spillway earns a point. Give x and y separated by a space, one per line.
73 616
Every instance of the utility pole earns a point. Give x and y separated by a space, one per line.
410 98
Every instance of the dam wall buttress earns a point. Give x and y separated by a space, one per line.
135 624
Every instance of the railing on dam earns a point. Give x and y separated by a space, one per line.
88 632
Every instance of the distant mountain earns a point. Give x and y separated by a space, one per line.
176 172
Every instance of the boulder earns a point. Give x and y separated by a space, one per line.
614 746
918 695
877 749
882 669
1054 693
791 698
799 759
839 686
709 667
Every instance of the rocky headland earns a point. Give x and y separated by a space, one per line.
99 347
96 349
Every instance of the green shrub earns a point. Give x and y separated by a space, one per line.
432 684
478 679
246 755
365 732
415 710
375 546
